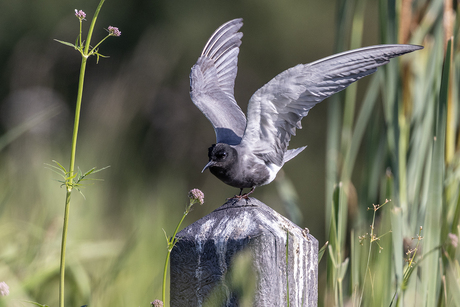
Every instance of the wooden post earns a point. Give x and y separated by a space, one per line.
203 256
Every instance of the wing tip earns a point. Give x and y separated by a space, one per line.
230 28
410 47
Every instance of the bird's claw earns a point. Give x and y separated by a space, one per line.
244 196
239 197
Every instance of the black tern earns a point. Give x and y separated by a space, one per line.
249 152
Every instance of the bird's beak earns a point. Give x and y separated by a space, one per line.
210 163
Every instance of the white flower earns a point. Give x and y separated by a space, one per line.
196 196
4 289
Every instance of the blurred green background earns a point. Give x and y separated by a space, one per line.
138 118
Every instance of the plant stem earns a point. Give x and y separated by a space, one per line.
77 120
178 225
79 36
69 182
171 243
71 175
63 247
165 271
368 259
94 49
91 27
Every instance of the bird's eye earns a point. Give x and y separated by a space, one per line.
221 155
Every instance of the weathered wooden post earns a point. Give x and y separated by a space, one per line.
204 253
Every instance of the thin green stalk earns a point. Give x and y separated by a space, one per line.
63 248
171 244
165 271
95 47
69 182
76 123
350 93
91 27
79 36
71 175
339 285
372 238
368 259
195 196
80 91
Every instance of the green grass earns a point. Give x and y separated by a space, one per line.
403 139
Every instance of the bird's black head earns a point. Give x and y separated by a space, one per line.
221 157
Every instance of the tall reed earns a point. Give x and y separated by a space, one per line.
404 137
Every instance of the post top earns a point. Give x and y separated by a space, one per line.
242 218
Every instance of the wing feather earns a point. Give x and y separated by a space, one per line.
275 111
212 81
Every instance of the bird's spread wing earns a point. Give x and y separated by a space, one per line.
276 109
212 80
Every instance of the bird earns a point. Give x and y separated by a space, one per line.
249 151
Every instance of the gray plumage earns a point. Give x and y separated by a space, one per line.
258 147
212 80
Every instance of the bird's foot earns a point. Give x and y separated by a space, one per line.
244 196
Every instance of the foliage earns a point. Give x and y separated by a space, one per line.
411 158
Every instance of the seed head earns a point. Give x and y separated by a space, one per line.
80 14
113 31
196 196
157 303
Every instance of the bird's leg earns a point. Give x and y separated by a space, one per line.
238 196
245 196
